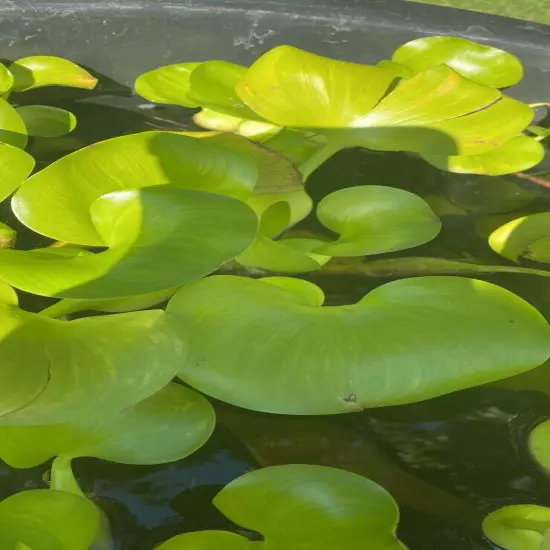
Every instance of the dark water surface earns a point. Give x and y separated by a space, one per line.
448 462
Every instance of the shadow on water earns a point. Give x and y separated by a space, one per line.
448 461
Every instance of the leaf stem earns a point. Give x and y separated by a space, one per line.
62 308
318 158
540 104
62 477
532 179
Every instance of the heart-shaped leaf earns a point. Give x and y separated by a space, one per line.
45 519
539 444
168 426
15 166
372 219
6 79
516 155
44 70
480 63
56 201
12 128
45 121
168 84
320 508
260 347
54 371
158 237
518 527
526 237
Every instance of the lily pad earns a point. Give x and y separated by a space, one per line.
45 121
372 219
260 347
478 62
322 508
525 237
55 371
518 527
169 425
44 70
168 84
45 519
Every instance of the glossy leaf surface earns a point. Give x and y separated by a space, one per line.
44 70
6 79
15 166
478 62
46 121
221 122
45 519
526 237
260 347
168 426
159 238
516 155
518 527
168 84
12 128
372 219
56 201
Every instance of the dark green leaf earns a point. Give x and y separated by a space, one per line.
45 121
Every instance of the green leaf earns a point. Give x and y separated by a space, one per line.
516 155
158 237
45 519
168 84
480 63
311 294
539 445
260 347
208 540
12 128
55 371
402 70
15 166
372 219
295 145
6 79
44 70
291 87
45 121
518 527
320 508
526 237
8 236
168 426
65 190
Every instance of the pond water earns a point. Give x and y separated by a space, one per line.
448 462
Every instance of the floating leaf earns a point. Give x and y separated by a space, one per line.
53 371
518 527
322 508
526 237
44 70
480 63
15 166
168 426
516 155
45 519
260 347
372 219
56 201
6 79
12 128
158 237
45 121
168 84
539 444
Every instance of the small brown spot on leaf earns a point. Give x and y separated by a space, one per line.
351 398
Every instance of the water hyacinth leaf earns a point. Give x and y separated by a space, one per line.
208 540
309 292
484 64
45 519
46 121
358 356
168 84
15 166
516 155
158 237
44 70
6 79
56 201
539 444
167 426
291 87
372 219
518 527
320 507
402 70
12 128
295 145
525 237
56 371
